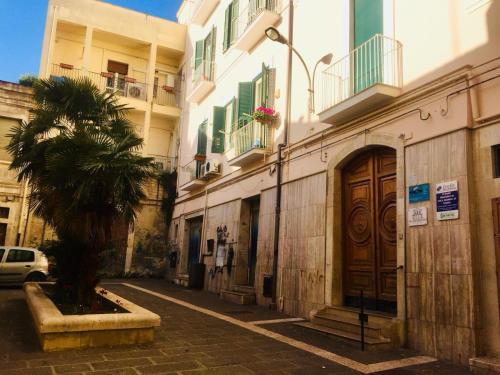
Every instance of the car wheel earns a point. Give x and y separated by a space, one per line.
36 277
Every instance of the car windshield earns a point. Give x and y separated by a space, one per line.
2 251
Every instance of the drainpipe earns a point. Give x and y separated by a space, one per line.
279 162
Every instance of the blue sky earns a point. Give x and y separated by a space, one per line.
22 26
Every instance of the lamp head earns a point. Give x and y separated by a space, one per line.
327 59
273 34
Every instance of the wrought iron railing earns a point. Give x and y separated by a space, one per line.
204 71
190 172
253 135
376 61
167 95
249 14
105 81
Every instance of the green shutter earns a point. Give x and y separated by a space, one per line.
245 102
214 41
235 13
265 86
368 20
227 31
198 57
367 62
218 136
202 139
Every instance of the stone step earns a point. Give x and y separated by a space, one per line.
238 297
375 317
350 324
485 365
370 342
243 289
182 280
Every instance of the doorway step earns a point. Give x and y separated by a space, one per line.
485 365
239 294
182 279
380 331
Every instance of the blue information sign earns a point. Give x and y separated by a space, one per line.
419 193
447 200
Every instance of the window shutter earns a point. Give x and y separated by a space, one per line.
214 41
265 86
198 57
245 102
235 13
202 139
218 137
227 31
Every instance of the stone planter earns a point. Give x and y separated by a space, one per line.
58 332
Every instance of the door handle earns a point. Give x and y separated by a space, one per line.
27 266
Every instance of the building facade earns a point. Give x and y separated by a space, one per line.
385 163
16 225
137 57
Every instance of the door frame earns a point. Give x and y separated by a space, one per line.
334 291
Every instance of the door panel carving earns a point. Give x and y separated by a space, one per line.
370 218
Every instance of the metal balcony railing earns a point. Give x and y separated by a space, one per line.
205 71
254 135
190 172
376 61
105 81
249 14
165 163
167 95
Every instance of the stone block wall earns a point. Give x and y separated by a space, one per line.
442 303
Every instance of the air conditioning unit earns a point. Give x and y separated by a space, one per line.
210 168
136 90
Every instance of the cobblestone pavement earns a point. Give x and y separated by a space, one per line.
188 342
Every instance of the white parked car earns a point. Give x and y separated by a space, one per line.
20 264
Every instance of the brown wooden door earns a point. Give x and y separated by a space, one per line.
370 229
496 233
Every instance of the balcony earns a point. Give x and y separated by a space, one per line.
164 163
203 81
202 9
363 81
166 100
250 25
250 143
191 178
110 82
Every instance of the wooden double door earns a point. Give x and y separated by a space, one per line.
369 226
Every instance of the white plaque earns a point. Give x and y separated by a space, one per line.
417 216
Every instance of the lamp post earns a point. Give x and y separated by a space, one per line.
273 34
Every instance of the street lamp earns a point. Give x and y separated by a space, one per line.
273 34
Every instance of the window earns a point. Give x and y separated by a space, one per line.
222 126
495 156
255 94
367 61
2 251
3 233
231 24
117 67
204 57
4 212
20 256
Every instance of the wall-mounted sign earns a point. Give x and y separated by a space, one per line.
417 216
447 200
419 193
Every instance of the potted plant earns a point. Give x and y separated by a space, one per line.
265 115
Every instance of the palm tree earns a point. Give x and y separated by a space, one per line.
80 154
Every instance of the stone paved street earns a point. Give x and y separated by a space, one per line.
189 342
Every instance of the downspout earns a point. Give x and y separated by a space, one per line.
279 162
